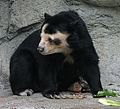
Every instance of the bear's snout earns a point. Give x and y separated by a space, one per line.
40 49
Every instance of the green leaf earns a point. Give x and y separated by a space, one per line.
106 93
109 102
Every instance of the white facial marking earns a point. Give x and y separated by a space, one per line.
44 27
49 48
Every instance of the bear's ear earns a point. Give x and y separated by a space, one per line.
47 17
73 25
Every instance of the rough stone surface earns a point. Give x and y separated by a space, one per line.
3 18
104 3
38 102
27 12
21 17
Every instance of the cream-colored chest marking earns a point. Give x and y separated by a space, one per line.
69 59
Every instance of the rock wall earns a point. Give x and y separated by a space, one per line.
19 18
106 3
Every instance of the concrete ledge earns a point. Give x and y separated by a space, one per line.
36 101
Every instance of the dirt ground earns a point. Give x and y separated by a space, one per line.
37 101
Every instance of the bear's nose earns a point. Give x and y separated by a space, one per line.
41 49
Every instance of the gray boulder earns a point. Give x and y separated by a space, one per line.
18 18
28 12
3 18
106 3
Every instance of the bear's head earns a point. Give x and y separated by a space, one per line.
55 35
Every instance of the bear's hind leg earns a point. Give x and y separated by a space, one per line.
21 77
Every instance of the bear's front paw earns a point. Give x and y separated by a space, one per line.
27 92
51 94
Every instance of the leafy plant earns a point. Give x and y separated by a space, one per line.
106 93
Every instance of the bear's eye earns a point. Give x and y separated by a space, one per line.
50 40
57 41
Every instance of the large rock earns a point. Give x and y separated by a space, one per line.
3 18
103 25
106 3
27 12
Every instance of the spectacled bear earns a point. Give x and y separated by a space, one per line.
54 57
